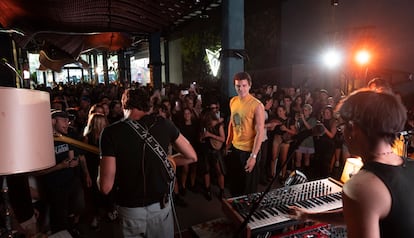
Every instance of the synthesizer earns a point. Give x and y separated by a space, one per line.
321 230
272 212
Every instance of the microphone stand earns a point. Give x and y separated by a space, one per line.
255 204
6 210
10 67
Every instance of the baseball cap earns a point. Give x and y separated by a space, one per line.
59 113
324 91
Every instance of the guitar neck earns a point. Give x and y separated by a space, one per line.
78 144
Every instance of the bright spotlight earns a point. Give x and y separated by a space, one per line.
362 57
332 58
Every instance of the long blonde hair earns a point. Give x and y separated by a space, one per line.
96 123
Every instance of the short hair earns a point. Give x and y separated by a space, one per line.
307 106
380 83
380 115
242 76
265 99
281 106
287 97
136 98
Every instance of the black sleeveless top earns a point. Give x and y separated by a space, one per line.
400 182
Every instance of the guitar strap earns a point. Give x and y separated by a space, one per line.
155 146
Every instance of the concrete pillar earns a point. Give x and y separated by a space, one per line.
121 66
90 69
105 67
95 66
232 60
127 60
155 59
167 62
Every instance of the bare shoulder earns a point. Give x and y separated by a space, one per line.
259 107
362 183
259 114
366 189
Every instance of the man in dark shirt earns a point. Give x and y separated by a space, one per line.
61 183
137 174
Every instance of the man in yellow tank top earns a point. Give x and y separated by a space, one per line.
245 135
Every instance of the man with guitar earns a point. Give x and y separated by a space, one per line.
134 164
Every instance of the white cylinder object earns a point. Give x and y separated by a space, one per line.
26 135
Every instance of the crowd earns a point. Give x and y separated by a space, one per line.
374 200
69 190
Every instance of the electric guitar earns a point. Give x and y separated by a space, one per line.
95 149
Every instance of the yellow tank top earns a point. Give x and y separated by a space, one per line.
242 118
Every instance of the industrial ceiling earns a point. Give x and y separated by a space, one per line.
76 26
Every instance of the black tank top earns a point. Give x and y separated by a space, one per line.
400 182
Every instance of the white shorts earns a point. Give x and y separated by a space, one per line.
149 221
306 150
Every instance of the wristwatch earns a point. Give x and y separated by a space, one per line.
253 155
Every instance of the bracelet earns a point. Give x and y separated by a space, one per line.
253 155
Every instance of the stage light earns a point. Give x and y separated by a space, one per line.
213 60
352 166
332 58
362 57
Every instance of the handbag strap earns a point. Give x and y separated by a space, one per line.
155 146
